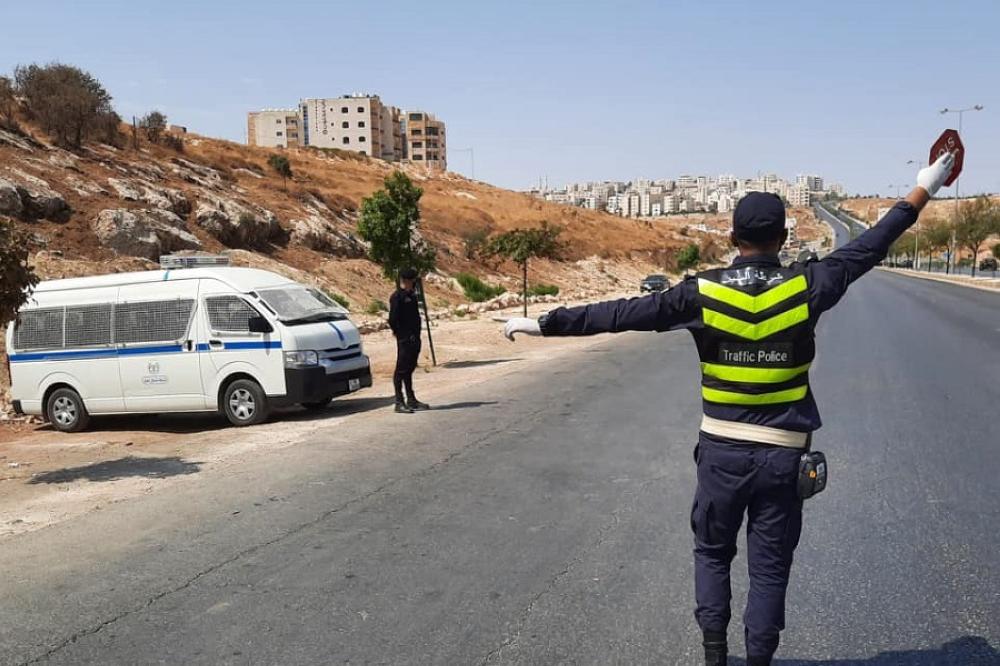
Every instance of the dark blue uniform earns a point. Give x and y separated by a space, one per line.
737 477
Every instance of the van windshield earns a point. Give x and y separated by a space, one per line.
302 305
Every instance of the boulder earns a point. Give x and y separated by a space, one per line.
143 233
39 201
10 199
237 224
165 198
318 233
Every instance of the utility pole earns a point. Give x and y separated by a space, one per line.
960 112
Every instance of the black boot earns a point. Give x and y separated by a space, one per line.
415 404
401 408
716 650
758 661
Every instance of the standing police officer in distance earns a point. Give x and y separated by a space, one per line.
753 325
404 320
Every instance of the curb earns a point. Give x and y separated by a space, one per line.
946 280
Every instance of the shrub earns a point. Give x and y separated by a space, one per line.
173 142
476 290
688 257
475 240
376 306
154 124
340 299
543 290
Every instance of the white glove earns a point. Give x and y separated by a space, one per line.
932 176
521 325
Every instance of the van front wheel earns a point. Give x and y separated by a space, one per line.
244 403
66 411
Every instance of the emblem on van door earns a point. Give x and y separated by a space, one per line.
154 376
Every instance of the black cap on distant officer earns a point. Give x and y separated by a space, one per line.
408 274
759 217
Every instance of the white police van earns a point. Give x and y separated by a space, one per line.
195 336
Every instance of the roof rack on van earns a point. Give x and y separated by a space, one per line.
192 260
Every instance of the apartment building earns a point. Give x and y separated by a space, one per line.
360 123
799 195
273 128
424 140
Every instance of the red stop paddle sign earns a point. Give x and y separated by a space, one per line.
949 141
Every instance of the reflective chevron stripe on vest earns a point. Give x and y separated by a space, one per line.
757 342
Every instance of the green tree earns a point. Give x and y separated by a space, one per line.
389 222
996 251
977 220
154 124
521 245
903 247
16 275
282 167
936 237
688 257
66 101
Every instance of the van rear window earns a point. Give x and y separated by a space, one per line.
39 329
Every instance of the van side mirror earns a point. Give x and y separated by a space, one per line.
258 324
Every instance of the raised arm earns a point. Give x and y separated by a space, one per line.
834 274
661 311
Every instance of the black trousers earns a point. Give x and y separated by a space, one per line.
407 355
760 481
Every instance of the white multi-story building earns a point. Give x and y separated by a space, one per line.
273 128
799 195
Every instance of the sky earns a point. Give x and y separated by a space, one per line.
571 91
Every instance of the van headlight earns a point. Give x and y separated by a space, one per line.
301 359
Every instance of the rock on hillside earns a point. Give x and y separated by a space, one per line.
236 223
143 233
164 198
37 199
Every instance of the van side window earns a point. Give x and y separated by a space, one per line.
39 329
229 314
88 325
152 321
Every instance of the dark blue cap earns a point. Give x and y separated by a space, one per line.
408 274
759 216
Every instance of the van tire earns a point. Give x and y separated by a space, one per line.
318 404
66 412
244 403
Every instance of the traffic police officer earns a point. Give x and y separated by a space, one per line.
404 320
753 325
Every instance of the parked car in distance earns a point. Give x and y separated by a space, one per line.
988 264
653 283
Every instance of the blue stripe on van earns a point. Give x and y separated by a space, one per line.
339 334
87 354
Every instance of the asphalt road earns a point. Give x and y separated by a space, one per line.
543 518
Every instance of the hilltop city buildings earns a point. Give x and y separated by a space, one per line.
361 123
686 194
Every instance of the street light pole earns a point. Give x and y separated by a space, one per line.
960 112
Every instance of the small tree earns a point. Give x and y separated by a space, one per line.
521 245
996 251
16 275
8 103
282 166
977 220
66 101
154 124
688 257
936 236
389 222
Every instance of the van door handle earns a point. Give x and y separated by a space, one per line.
215 344
189 345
